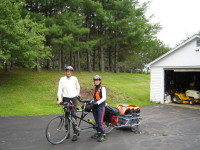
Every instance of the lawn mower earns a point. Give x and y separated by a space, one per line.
189 97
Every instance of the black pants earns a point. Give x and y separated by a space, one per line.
74 101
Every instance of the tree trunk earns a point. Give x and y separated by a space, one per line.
49 64
38 68
59 61
62 60
89 61
99 61
7 66
53 64
94 58
110 58
71 55
116 59
75 67
102 56
88 52
78 62
48 61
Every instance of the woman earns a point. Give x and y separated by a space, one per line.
98 108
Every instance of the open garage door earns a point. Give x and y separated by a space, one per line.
181 80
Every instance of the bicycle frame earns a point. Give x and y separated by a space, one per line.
83 115
71 115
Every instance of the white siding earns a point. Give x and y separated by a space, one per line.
184 57
157 85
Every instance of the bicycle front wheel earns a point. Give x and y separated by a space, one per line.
57 130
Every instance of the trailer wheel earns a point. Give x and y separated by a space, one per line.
135 126
191 100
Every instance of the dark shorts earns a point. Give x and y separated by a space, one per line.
73 100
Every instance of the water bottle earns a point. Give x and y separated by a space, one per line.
90 121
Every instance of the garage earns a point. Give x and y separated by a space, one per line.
176 71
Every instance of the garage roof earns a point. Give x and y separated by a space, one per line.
174 49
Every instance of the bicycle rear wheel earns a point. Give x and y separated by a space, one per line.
57 130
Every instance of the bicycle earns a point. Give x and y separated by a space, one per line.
58 129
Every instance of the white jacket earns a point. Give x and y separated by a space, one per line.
68 87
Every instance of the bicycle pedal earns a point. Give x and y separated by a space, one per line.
78 129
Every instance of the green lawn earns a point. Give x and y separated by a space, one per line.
24 92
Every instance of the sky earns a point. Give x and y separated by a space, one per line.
179 19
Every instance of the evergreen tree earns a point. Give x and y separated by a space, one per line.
21 38
104 35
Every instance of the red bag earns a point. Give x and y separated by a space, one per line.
114 119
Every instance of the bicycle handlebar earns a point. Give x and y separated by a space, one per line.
79 99
83 101
66 103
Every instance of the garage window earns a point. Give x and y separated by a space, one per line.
198 43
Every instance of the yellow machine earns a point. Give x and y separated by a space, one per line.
189 97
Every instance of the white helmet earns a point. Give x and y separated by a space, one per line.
97 77
69 68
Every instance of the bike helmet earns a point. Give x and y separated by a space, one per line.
69 68
97 77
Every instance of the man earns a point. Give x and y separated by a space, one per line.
68 90
98 108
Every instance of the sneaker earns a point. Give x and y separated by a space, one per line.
74 138
77 128
95 136
101 139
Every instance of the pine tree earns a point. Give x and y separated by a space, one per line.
21 38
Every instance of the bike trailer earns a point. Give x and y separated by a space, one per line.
129 116
123 115
129 119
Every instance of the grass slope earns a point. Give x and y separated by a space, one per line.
24 92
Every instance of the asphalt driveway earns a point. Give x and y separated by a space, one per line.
163 127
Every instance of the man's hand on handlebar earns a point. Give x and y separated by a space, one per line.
59 101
